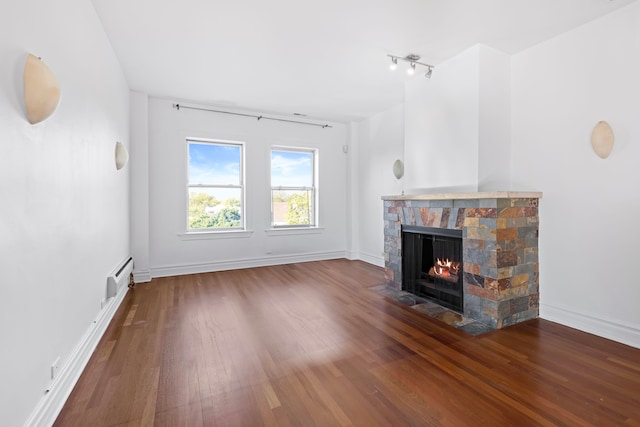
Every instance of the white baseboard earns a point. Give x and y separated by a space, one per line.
371 259
141 276
612 329
182 269
51 404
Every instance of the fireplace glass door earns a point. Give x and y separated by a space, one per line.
432 265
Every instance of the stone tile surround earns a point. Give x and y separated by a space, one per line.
500 248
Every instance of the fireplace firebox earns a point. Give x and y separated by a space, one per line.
432 265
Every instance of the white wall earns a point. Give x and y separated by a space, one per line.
64 220
172 253
589 228
380 142
457 125
139 166
494 120
441 127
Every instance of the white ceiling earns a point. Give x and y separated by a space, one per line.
326 59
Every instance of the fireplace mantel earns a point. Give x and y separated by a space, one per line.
469 196
500 247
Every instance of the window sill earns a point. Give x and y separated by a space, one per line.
293 231
206 235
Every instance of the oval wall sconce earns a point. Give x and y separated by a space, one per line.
398 169
122 155
41 90
602 139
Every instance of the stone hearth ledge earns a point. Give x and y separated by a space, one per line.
469 196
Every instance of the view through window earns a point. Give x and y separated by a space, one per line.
215 185
293 189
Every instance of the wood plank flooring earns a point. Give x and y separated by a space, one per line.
312 344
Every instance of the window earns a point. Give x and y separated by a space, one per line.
293 188
215 186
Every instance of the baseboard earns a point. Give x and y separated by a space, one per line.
371 259
54 399
182 269
607 328
141 276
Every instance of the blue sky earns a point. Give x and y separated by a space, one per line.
220 164
291 169
214 164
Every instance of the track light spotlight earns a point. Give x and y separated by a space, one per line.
412 59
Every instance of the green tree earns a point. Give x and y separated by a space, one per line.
225 218
278 196
198 202
298 211
227 213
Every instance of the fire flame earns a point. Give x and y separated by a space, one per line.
445 267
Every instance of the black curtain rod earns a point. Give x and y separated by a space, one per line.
178 107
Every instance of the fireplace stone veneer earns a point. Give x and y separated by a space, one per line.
499 244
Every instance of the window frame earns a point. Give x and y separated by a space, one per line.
314 188
241 186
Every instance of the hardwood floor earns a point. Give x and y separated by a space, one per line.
312 345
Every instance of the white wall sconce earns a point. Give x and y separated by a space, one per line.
398 169
122 155
412 59
602 139
41 90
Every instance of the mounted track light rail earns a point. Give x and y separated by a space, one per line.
412 59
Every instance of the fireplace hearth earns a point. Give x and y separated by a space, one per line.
498 270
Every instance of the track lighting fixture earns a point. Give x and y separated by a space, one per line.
412 59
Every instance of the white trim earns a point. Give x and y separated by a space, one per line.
612 329
315 153
182 269
206 235
293 231
242 175
51 404
368 258
141 276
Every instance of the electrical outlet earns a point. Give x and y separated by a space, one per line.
55 366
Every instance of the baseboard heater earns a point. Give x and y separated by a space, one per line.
119 277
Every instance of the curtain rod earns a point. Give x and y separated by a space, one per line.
178 107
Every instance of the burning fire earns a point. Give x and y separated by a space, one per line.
446 268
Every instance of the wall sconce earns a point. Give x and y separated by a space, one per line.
41 90
412 59
122 155
602 139
398 169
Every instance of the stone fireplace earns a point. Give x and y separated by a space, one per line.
499 248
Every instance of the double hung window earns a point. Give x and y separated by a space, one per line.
215 185
293 187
